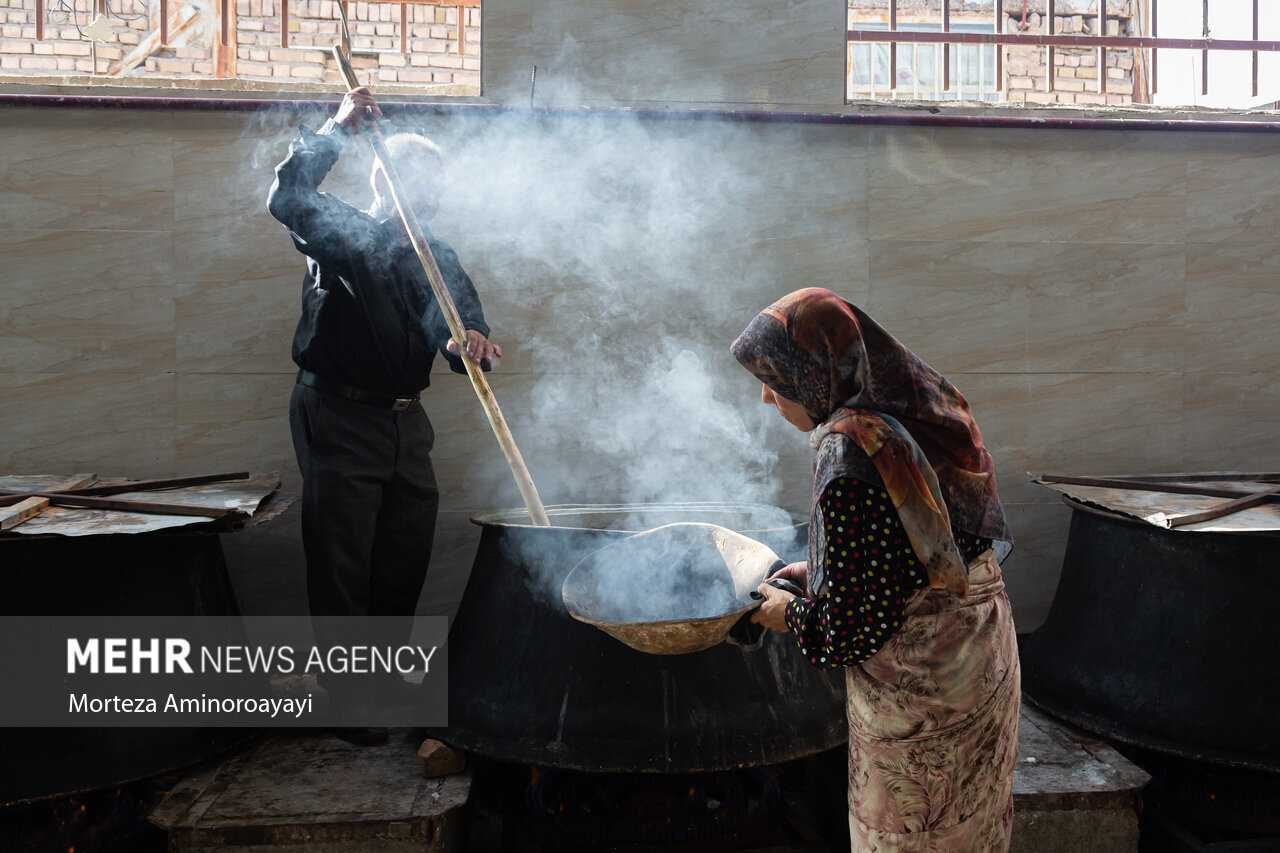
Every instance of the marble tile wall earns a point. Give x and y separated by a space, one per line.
1105 299
664 51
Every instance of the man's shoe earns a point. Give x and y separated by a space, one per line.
362 735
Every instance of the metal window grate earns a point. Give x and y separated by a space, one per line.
1050 40
460 5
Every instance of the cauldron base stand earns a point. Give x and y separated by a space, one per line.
1196 807
797 806
107 820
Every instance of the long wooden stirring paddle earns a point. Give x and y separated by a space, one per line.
524 482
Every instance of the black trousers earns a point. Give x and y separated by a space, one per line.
369 504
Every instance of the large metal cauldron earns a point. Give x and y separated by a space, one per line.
1164 639
528 683
158 574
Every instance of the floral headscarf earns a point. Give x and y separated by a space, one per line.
859 382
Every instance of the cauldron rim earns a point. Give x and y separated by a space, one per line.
518 518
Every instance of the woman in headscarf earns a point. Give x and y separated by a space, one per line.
904 591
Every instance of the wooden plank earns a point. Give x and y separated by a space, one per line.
129 505
149 45
1200 477
11 517
1222 509
26 505
225 67
75 481
462 29
1145 486
82 486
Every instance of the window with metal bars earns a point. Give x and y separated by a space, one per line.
972 71
1222 53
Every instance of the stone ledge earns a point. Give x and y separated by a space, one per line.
315 794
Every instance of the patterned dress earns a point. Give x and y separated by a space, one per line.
871 575
928 647
932 681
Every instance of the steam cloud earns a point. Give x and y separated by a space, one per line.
616 258
625 241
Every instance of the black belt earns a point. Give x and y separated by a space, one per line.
390 402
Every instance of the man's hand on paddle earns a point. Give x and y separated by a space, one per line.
479 348
356 108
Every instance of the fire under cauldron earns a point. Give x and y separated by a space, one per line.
527 683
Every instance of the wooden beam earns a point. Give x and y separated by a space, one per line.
1146 486
25 507
80 486
225 49
150 45
131 505
462 29
1232 506
12 516
76 481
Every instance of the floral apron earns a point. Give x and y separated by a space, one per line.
933 725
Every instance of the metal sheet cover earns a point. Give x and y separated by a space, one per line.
1155 508
246 495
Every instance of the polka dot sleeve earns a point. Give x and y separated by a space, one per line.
870 570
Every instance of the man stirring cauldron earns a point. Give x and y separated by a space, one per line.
369 331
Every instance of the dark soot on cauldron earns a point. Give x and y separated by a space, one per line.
669 573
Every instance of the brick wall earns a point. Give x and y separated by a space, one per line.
433 56
62 51
1076 71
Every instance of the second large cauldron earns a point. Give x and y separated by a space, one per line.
1163 639
528 683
